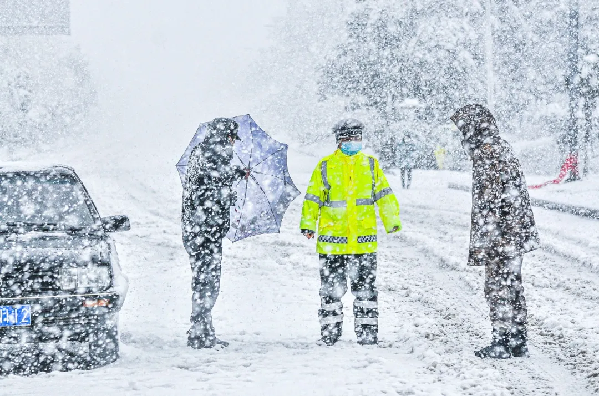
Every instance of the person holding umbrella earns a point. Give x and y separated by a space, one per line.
502 230
340 198
207 198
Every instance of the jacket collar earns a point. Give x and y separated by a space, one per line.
339 153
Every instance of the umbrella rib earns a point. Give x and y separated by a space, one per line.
270 155
269 204
268 174
240 160
238 182
252 149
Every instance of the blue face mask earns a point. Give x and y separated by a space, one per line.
351 148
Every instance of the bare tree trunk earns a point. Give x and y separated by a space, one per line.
489 56
588 113
573 76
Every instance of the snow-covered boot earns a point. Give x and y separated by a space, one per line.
499 348
201 335
520 351
206 342
494 351
518 343
330 333
367 335
221 343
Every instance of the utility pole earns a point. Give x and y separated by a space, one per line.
573 87
589 90
489 56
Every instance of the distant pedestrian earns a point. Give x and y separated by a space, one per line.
440 157
207 199
502 230
406 159
341 196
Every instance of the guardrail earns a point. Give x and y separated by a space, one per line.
549 205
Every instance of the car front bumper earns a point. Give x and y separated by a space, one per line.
66 318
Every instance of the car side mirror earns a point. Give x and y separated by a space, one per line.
116 223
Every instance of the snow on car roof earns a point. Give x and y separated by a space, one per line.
17 166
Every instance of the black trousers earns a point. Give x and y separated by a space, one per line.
205 283
361 270
406 177
505 295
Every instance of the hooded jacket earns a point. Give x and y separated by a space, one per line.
208 194
502 221
406 154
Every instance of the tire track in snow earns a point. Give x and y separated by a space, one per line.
476 377
286 254
454 320
537 295
453 223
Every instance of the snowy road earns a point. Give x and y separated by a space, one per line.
433 314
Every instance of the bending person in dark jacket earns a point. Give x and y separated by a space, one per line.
206 218
502 230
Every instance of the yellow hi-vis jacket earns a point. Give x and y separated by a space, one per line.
341 197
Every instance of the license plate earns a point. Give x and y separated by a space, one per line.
18 315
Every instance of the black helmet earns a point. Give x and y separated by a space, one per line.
227 126
348 128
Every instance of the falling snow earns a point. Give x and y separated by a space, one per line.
213 287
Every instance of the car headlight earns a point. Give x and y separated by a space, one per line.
92 277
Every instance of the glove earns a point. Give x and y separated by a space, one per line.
308 233
240 173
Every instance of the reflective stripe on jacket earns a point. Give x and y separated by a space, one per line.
341 197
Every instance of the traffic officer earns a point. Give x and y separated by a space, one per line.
341 196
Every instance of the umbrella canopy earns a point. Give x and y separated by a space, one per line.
263 198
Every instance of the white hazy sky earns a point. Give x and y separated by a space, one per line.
163 66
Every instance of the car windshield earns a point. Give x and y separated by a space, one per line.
43 199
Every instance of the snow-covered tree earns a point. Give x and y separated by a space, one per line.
46 91
395 52
283 82
366 57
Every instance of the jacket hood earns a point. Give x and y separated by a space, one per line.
477 125
216 137
227 127
217 151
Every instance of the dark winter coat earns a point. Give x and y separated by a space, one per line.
406 154
208 193
503 223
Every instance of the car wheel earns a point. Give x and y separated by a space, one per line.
103 345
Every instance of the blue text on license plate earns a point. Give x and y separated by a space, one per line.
17 315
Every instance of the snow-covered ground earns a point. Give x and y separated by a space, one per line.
433 314
583 193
